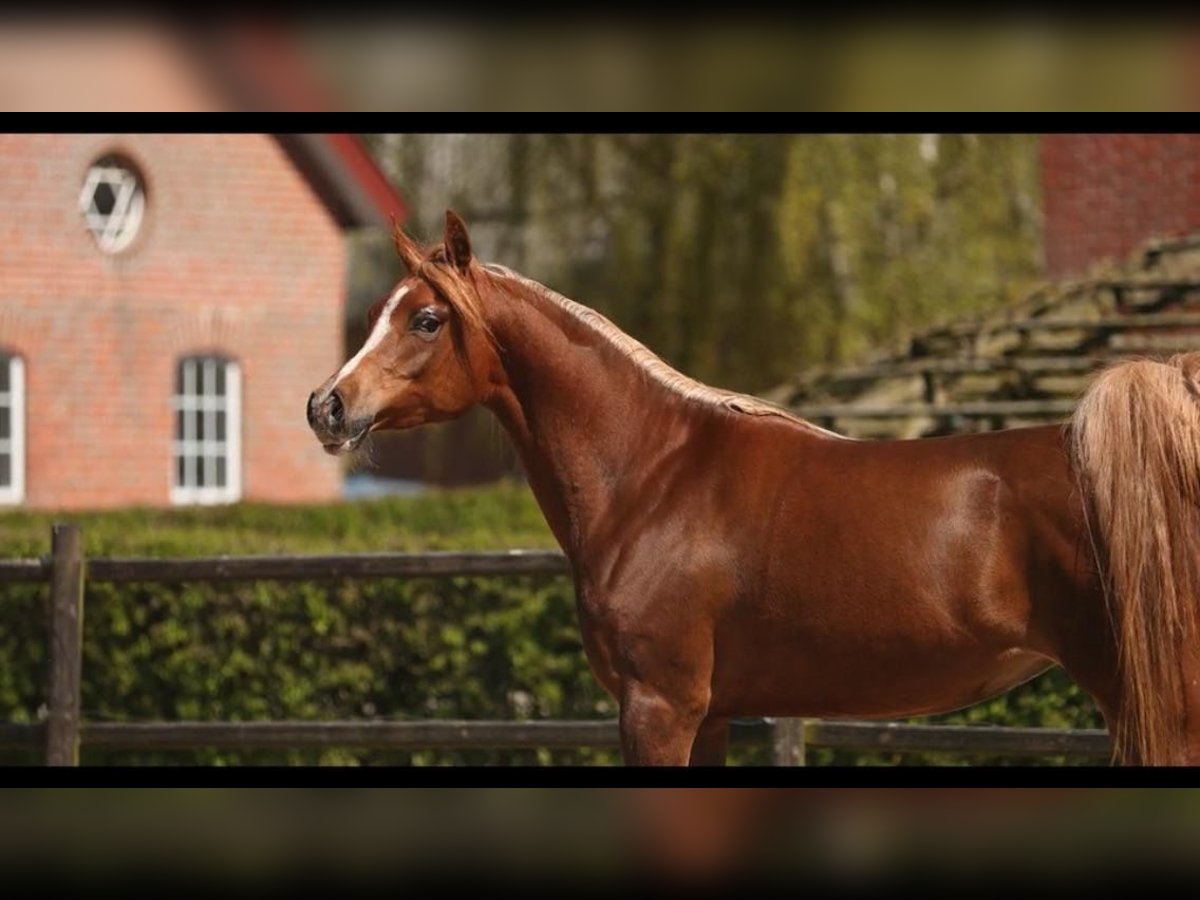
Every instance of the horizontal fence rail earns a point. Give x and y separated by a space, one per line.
558 734
62 733
302 567
15 571
446 734
1088 743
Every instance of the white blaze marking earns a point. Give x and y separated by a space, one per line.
382 326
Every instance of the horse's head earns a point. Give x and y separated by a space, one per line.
428 355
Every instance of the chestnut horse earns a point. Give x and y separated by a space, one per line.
731 559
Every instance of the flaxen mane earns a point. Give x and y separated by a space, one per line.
650 363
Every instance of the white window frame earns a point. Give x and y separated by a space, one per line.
14 446
192 449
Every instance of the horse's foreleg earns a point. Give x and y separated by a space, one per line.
657 729
711 743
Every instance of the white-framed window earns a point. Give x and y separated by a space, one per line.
112 201
206 457
12 428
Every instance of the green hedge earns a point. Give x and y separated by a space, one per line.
475 648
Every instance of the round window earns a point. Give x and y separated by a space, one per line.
112 202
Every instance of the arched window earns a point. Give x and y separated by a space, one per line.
12 428
206 464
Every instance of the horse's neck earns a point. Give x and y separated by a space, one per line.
578 411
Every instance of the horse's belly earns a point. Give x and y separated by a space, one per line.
872 686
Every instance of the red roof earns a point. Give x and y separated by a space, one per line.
346 178
261 67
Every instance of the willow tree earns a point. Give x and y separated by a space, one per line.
738 258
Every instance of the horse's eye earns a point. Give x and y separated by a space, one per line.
426 322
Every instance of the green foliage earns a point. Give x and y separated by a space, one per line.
883 234
476 648
739 258
1051 700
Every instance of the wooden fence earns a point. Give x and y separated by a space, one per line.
62 731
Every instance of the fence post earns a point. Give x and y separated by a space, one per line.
788 742
66 635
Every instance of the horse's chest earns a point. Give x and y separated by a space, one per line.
600 638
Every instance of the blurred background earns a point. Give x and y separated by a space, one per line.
810 837
169 300
435 59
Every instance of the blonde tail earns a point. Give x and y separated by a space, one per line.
1136 447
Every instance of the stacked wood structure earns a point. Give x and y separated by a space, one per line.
1024 365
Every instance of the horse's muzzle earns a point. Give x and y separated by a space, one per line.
327 418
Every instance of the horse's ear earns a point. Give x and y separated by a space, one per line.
458 245
408 250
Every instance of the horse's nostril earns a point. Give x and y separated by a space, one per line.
310 411
336 410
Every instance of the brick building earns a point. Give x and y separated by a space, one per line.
167 301
1103 195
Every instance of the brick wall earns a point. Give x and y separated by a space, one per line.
118 65
1103 195
236 254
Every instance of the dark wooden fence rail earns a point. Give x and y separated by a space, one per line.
62 732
